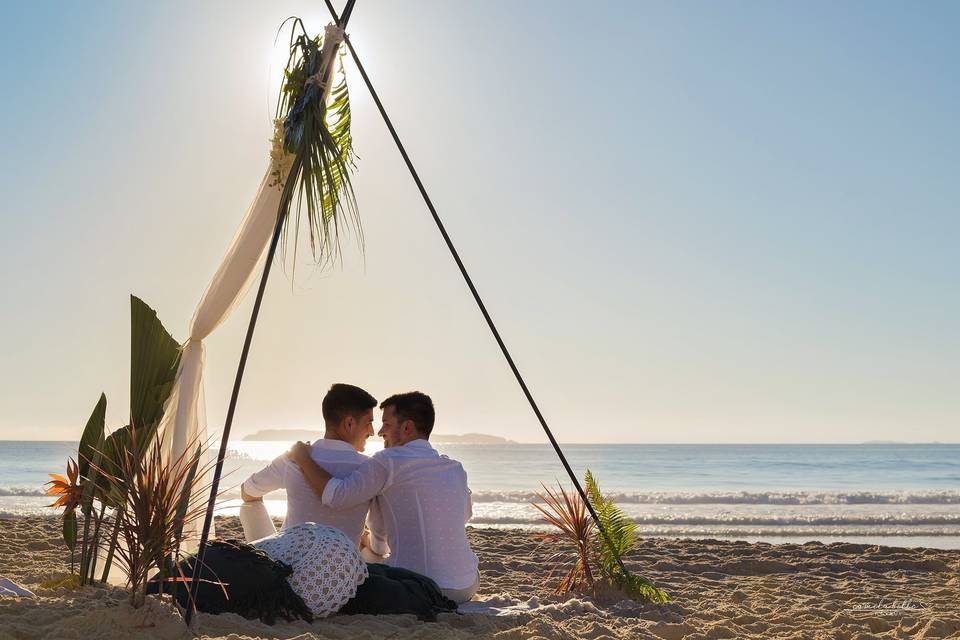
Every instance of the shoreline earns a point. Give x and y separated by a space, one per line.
925 540
932 541
720 589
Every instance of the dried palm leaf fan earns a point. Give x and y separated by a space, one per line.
313 147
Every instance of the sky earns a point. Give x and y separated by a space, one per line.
691 221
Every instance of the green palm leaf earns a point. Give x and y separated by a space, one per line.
621 539
92 437
154 356
315 129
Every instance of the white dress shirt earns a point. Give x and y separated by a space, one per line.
336 458
422 502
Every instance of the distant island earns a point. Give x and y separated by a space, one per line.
469 438
900 442
291 435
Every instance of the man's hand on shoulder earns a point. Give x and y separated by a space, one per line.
315 476
300 452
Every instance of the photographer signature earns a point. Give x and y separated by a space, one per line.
889 606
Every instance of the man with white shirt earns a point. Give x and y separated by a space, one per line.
422 497
348 418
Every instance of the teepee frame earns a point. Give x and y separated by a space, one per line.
341 21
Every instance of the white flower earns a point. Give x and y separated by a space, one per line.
280 160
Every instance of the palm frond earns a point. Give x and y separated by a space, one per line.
93 434
620 539
314 110
154 357
620 530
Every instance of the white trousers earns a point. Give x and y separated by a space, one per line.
462 595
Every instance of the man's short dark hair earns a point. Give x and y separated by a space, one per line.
346 400
414 406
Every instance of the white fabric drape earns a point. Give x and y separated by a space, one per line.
184 418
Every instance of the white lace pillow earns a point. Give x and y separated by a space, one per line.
327 568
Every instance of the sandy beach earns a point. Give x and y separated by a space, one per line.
720 590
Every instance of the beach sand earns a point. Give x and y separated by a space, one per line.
720 590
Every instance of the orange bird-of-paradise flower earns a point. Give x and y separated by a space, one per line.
69 488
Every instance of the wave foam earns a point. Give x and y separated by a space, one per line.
746 497
791 520
21 492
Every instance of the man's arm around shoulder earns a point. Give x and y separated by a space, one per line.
313 473
362 485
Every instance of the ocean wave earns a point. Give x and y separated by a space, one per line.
798 498
234 454
769 532
18 492
768 520
746 497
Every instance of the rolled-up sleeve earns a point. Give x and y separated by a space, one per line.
270 478
368 481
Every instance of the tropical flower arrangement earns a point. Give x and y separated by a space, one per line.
152 506
312 147
133 502
594 558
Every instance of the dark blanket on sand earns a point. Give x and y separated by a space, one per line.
237 578
396 590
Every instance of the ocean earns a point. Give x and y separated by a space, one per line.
894 494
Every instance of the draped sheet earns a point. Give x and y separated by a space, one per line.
184 420
184 417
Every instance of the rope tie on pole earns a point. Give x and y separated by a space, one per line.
332 39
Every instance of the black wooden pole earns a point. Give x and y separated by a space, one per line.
215 485
473 289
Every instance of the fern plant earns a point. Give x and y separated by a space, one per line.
591 555
620 539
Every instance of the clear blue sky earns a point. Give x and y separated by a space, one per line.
693 221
